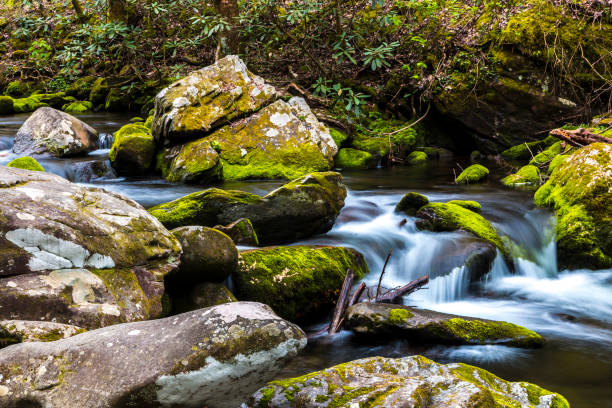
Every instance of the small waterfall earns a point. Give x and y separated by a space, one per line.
446 288
105 140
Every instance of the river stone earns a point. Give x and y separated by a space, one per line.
579 190
211 357
382 319
24 331
50 132
208 98
301 283
282 140
240 231
78 255
133 149
301 208
201 296
413 381
410 203
208 255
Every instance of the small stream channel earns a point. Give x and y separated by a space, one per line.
571 308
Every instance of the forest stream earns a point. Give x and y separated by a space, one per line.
572 309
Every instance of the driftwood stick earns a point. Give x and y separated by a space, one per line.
382 273
579 137
357 294
334 327
403 290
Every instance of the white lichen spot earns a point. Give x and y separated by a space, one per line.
280 119
25 217
134 333
32 193
11 284
272 132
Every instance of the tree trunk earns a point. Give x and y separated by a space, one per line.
121 10
78 9
227 40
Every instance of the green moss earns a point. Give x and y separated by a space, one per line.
473 174
149 122
450 217
529 174
81 88
416 157
547 155
556 161
298 282
26 163
482 332
133 149
29 104
399 316
339 136
195 162
78 106
116 101
377 146
352 158
99 90
524 151
467 204
17 89
6 105
411 202
199 208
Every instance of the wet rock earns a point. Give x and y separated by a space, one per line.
473 174
348 158
133 149
208 98
299 282
240 231
381 319
51 132
24 331
208 255
410 203
196 162
579 192
90 170
78 255
306 206
201 296
451 217
416 157
527 175
211 357
413 381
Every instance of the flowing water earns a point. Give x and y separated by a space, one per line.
571 309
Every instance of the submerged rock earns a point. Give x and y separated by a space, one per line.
24 331
473 174
201 296
26 163
382 319
299 282
133 149
410 203
51 132
211 357
306 206
240 231
208 98
413 381
579 191
78 255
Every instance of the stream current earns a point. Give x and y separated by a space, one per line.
572 309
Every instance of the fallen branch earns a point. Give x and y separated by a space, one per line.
579 137
410 287
338 315
382 273
357 294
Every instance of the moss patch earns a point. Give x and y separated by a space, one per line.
473 174
352 158
467 204
26 163
529 174
411 202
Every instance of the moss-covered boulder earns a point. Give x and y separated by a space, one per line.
467 204
17 89
410 203
300 283
546 155
240 231
348 158
81 88
25 331
473 174
525 151
6 105
98 92
579 192
78 107
382 319
413 381
133 149
416 157
200 296
208 256
213 357
26 163
556 161
282 140
527 175
29 104
339 136
49 132
208 98
78 255
451 217
306 206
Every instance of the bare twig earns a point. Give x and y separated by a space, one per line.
382 273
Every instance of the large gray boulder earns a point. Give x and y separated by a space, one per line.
208 98
306 206
78 255
213 357
383 319
413 381
50 132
